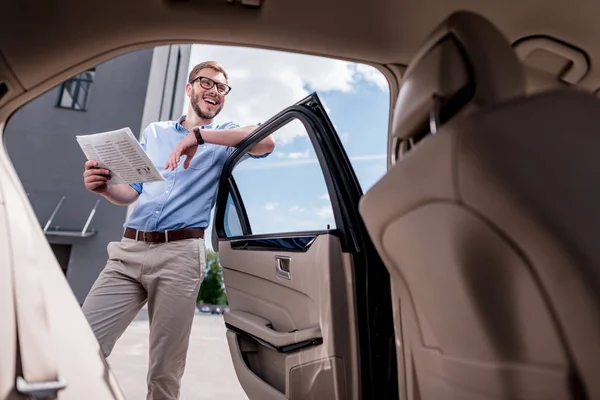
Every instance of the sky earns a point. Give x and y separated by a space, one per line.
286 191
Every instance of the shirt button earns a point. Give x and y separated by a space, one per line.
156 212
166 191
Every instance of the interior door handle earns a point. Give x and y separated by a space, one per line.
282 267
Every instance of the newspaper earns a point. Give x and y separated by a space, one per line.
121 153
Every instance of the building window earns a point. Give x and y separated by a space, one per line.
74 93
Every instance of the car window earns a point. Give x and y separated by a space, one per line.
148 85
282 193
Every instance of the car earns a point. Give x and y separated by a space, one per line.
470 270
216 310
205 309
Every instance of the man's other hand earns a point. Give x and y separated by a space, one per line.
95 178
186 147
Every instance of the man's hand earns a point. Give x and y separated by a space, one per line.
95 178
186 147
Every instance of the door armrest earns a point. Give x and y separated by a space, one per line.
260 329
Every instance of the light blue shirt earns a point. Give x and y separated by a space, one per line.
187 196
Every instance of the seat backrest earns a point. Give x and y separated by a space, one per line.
488 224
450 76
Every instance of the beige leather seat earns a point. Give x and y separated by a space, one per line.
490 228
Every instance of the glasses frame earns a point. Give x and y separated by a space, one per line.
212 84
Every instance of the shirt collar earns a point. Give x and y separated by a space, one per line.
180 127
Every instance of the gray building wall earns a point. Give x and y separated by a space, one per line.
40 140
166 86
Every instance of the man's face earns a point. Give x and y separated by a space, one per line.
207 103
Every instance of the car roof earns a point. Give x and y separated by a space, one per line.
44 43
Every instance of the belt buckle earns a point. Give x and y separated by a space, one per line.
145 236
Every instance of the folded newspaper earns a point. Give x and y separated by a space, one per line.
121 153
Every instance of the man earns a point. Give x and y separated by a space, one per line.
161 257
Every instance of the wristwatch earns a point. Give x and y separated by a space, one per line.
198 136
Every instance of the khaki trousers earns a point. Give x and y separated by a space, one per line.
165 275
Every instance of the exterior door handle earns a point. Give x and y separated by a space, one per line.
282 267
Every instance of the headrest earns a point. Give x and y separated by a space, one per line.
465 63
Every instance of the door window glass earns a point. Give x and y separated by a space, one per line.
232 222
284 192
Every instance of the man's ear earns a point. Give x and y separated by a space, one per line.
188 89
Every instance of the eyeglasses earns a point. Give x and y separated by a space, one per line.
207 83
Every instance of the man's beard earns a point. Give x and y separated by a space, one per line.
194 101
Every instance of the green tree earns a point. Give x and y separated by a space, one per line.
211 290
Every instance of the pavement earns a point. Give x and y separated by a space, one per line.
209 373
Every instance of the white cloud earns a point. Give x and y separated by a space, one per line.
297 208
370 157
324 196
344 137
289 132
300 162
253 164
265 82
325 212
299 155
309 224
372 75
271 206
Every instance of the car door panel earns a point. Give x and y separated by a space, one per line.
299 300
254 386
291 315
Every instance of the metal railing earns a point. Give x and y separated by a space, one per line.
83 233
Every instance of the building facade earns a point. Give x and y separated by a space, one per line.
131 90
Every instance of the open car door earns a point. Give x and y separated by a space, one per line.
310 312
47 348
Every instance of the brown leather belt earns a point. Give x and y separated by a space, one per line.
164 236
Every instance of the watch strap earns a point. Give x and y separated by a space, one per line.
198 135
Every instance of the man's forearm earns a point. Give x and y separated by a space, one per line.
121 195
227 137
233 137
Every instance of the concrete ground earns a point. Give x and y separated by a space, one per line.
209 373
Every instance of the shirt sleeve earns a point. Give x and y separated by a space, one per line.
140 186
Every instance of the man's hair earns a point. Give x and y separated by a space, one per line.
207 64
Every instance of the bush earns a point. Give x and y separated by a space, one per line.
211 290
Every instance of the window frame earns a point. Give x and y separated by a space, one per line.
82 82
240 209
277 122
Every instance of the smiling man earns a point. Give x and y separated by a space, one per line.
161 257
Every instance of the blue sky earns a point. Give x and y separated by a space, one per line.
286 191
